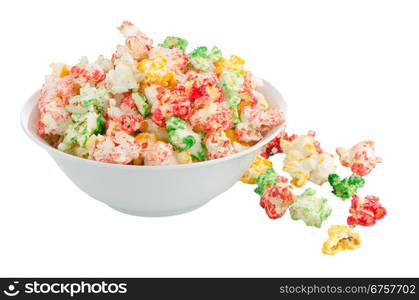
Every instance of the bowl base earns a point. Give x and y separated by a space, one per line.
156 213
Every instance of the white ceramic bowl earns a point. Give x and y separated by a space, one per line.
152 190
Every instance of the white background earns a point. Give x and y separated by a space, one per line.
348 69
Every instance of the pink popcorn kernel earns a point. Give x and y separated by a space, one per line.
127 103
118 147
159 153
248 134
87 74
66 88
137 42
210 116
361 158
207 78
130 123
218 145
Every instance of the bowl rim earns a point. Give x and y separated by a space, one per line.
31 104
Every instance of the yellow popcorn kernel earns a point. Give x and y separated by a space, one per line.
64 71
243 104
299 179
237 60
341 237
219 66
258 167
145 140
147 126
183 157
60 69
112 125
91 144
234 63
309 146
144 137
232 136
154 64
155 72
168 79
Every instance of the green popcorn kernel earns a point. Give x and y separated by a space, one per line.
200 154
310 209
70 137
201 51
181 140
201 64
100 125
83 126
346 187
175 123
233 103
236 115
231 82
174 42
141 103
203 60
269 178
215 54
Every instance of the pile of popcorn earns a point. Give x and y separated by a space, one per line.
154 104
306 161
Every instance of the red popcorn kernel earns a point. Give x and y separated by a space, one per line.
277 198
213 91
274 146
365 212
158 118
179 102
171 103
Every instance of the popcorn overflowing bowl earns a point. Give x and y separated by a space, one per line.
153 190
154 130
